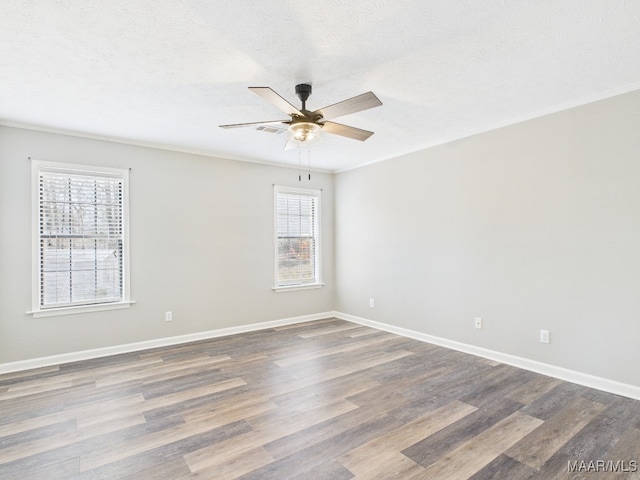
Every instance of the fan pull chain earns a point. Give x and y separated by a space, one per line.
309 162
299 165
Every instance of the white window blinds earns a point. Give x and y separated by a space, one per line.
297 237
81 237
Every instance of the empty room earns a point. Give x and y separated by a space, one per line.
319 240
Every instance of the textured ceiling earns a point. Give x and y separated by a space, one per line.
168 72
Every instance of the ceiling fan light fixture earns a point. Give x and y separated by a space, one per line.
306 133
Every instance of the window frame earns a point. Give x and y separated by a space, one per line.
317 283
70 168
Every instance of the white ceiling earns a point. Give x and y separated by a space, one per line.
168 72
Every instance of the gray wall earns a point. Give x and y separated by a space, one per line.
201 246
533 226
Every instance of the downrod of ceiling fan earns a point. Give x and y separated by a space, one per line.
303 90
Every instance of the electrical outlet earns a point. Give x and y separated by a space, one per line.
372 303
168 316
544 336
478 322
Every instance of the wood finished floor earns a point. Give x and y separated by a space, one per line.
321 400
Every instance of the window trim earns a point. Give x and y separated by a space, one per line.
318 222
125 302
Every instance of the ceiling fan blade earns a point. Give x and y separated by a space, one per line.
351 105
251 124
276 100
346 131
291 144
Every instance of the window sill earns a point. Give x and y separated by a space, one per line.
292 288
53 312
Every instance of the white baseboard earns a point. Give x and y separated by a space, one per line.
572 376
149 344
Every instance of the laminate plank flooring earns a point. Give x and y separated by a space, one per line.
319 400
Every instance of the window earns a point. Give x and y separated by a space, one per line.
80 238
297 242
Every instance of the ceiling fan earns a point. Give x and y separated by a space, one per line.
304 126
